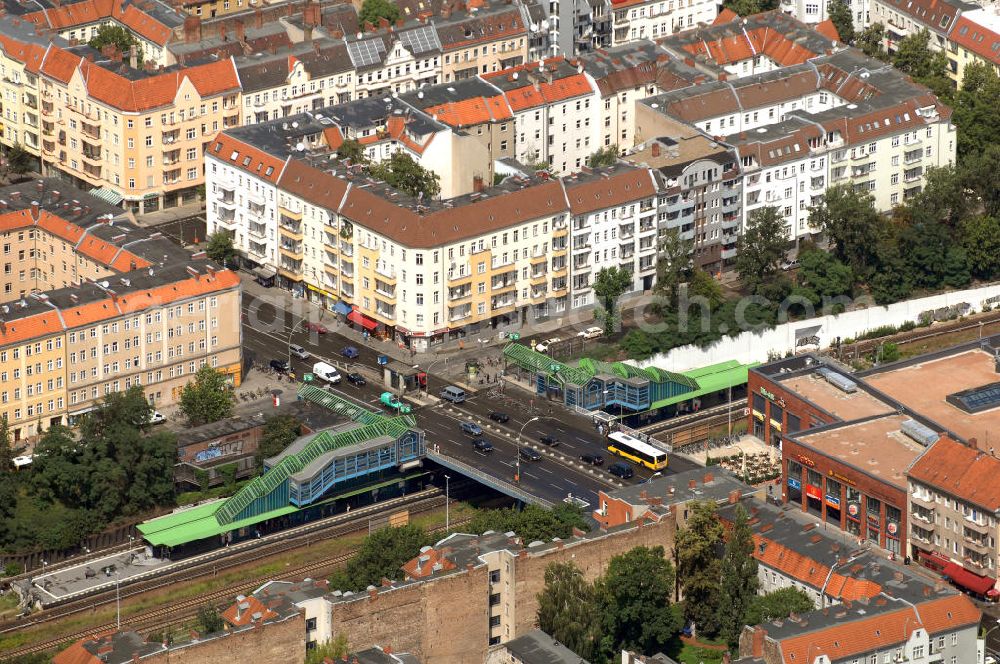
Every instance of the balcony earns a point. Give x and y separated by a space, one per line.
292 250
257 250
500 305
257 230
256 210
91 153
924 499
92 131
913 156
292 209
459 313
559 286
912 174
457 294
539 278
92 171
383 269
977 526
560 231
48 108
978 545
169 137
347 269
540 258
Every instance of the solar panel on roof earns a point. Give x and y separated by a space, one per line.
366 53
420 40
976 399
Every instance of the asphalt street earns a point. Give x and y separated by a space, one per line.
267 332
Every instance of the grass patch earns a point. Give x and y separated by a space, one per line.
691 654
191 497
8 605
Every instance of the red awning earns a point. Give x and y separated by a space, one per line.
362 320
963 577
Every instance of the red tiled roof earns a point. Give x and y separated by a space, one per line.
810 572
960 470
94 11
240 617
77 654
749 43
977 38
828 30
235 152
617 189
880 631
423 565
469 112
727 15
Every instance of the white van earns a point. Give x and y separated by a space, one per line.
453 394
327 372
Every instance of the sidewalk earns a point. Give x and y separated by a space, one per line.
452 355
170 214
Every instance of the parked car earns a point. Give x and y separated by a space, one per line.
22 461
471 429
544 346
156 417
391 401
529 454
502 418
355 378
350 352
482 445
549 439
621 469
591 333
326 372
787 265
298 351
318 328
592 459
280 365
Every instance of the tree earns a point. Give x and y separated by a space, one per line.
381 555
840 14
401 172
6 451
8 482
943 197
567 609
334 650
871 41
739 579
606 156
930 67
849 219
703 285
980 175
981 239
673 263
610 284
220 248
975 113
351 149
778 605
209 620
207 398
698 567
748 7
18 160
120 38
531 523
932 257
761 246
634 597
279 432
373 10
823 275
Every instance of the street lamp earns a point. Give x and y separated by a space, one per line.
118 599
517 473
427 381
447 503
288 345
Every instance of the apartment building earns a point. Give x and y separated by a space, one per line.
21 54
389 62
136 135
302 78
954 514
976 38
902 19
92 304
553 104
700 185
653 19
482 41
151 23
623 76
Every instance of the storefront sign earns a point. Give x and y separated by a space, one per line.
853 509
833 501
814 492
840 478
891 528
771 397
321 291
759 415
776 425
805 461
794 483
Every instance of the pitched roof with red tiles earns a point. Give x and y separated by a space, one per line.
242 613
961 471
811 572
727 15
88 12
471 112
30 54
977 38
602 190
828 30
427 563
548 92
935 15
236 153
880 632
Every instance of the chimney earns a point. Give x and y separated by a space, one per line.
734 496
723 76
258 18
241 31
477 183
133 57
34 210
383 23
192 30
656 148
759 634
708 478
372 593
643 495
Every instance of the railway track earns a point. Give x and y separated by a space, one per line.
279 543
177 612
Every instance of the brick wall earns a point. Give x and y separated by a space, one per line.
283 642
446 620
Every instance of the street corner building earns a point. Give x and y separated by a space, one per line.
92 304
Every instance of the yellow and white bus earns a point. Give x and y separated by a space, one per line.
637 451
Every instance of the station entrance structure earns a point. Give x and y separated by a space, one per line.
346 456
594 386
